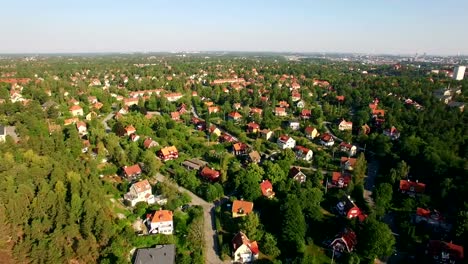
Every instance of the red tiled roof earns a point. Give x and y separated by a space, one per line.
132 170
235 115
326 137
436 247
162 216
142 186
253 125
246 206
210 174
267 188
417 187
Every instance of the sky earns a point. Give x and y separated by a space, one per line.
357 26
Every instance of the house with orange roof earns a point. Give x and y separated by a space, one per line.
244 250
76 110
267 189
209 174
129 130
161 222
283 104
412 188
70 121
139 192
234 116
172 97
130 101
280 111
255 111
439 251
168 153
347 163
339 180
241 208
240 148
214 109
175 116
306 114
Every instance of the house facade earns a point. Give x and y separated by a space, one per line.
132 172
244 250
161 222
168 153
345 125
327 140
303 153
285 142
139 192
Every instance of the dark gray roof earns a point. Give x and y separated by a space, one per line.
160 254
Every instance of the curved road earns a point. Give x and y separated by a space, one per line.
209 227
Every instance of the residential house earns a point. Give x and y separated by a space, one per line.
392 133
134 137
214 109
244 250
164 254
130 101
132 172
241 208
76 110
365 129
91 115
347 163
295 97
225 137
280 111
194 164
256 111
412 188
70 121
240 148
182 109
285 142
237 106
266 133
128 130
431 218
300 104
214 130
350 149
254 157
339 180
303 153
81 127
199 124
345 242
175 116
97 105
459 105
253 127
306 114
295 86
347 208
150 143
297 175
172 97
139 192
283 104
235 116
209 174
311 132
168 153
294 125
444 252
327 140
345 125
161 222
267 189
92 99
340 98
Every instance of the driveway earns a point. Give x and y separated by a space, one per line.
211 241
104 122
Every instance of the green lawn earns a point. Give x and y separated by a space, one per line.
318 253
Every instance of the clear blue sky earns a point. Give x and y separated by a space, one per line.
365 26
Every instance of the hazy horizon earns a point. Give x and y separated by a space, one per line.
366 27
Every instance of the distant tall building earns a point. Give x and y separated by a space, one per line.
459 73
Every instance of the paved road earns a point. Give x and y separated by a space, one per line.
369 185
211 241
104 121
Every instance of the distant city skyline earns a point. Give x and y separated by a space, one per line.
362 26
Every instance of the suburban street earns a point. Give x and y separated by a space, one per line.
211 241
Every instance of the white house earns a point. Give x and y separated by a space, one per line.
285 142
81 127
76 110
348 148
327 140
294 125
140 192
161 222
245 251
303 153
345 125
